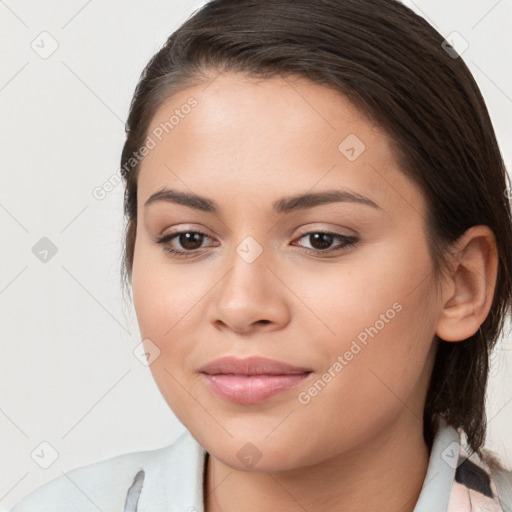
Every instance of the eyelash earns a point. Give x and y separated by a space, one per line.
348 242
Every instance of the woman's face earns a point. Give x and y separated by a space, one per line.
353 310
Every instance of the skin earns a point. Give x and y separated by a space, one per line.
358 444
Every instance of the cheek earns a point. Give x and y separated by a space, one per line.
367 288
372 375
169 304
163 293
382 317
145 289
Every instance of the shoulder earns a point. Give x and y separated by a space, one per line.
102 485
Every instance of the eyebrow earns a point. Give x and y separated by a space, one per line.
284 205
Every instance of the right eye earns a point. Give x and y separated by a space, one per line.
190 241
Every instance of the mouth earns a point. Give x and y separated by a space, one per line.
251 380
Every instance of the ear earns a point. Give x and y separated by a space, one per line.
468 293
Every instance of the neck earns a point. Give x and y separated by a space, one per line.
385 473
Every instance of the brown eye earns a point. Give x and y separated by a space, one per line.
189 242
321 242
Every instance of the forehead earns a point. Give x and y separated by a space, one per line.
279 134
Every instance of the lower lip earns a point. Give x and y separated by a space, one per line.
251 389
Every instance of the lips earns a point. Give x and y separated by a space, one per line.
251 380
251 366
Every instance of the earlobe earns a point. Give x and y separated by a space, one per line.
469 293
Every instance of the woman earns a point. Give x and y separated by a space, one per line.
319 244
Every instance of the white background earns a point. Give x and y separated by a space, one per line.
68 373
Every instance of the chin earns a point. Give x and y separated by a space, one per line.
254 452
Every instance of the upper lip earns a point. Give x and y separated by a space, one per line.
254 365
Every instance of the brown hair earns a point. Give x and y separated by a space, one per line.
395 68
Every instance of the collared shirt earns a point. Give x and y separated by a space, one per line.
170 479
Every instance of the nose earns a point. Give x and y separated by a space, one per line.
250 297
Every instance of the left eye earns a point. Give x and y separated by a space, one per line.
323 241
191 242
